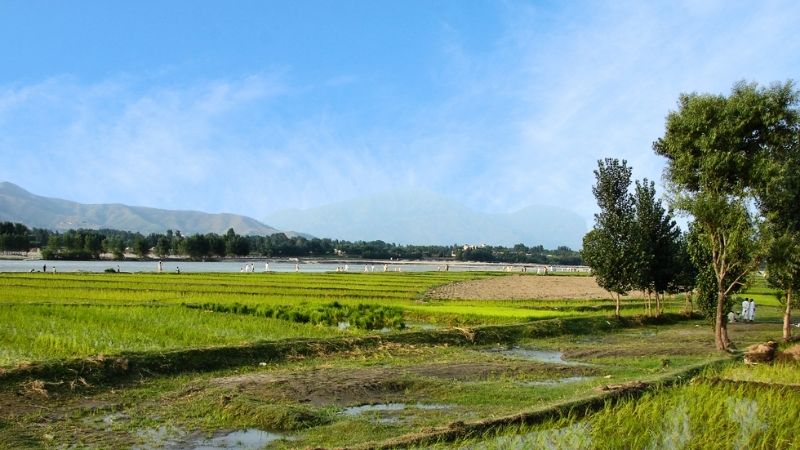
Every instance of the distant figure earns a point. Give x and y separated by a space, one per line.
44 268
160 267
745 309
752 313
297 267
346 267
366 269
385 267
266 267
118 271
732 317
177 269
54 269
373 268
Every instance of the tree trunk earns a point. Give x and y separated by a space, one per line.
719 335
787 316
616 309
689 306
648 306
658 305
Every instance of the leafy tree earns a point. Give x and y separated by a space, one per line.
141 246
783 272
162 247
716 148
608 248
197 246
655 242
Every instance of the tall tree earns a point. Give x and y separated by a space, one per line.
608 248
655 242
783 272
715 146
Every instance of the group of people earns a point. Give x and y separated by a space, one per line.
748 313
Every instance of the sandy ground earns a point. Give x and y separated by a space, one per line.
522 287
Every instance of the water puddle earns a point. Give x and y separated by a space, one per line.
576 436
387 413
175 439
546 356
744 411
557 381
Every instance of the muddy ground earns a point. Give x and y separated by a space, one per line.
524 287
321 386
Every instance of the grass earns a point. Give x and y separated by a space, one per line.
441 377
696 415
51 316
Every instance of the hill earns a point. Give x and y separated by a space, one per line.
421 217
19 205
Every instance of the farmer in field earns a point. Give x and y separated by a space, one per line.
745 310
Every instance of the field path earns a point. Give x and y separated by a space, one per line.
522 287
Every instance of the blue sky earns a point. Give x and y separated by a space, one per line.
253 106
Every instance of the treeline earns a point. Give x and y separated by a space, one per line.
83 244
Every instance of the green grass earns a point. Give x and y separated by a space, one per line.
111 313
44 332
695 415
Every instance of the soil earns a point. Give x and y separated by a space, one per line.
322 386
524 287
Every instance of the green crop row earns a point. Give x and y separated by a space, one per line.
368 317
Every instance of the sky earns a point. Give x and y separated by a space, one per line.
251 107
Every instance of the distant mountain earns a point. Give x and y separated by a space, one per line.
422 217
19 205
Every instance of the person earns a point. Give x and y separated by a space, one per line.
745 310
177 269
54 269
118 271
297 267
731 317
752 314
44 268
159 267
266 267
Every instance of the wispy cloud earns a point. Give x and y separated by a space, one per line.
520 121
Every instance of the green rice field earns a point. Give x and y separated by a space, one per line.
363 360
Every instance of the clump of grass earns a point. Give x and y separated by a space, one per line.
368 317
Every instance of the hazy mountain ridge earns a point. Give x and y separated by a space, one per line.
421 217
19 205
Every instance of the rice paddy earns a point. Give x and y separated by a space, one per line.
262 360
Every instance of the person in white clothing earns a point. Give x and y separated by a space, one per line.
752 311
745 310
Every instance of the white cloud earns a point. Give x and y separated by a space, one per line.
522 123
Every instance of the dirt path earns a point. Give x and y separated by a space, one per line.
522 287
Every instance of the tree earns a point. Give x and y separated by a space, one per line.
608 248
141 246
783 272
716 148
655 242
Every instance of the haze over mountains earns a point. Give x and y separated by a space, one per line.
402 217
19 205
422 217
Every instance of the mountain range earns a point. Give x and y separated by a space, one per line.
414 217
19 205
423 217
